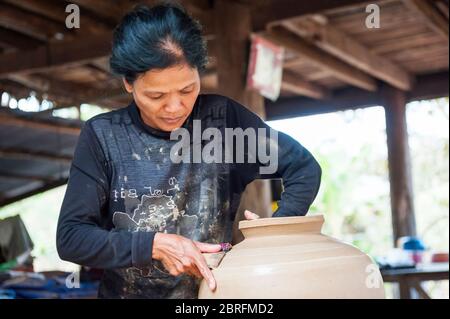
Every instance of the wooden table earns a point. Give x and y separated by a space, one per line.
410 279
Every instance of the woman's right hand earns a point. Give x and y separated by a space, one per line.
181 255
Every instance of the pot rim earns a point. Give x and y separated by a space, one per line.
274 221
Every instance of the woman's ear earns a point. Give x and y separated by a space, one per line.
127 85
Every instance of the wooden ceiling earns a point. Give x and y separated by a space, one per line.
329 46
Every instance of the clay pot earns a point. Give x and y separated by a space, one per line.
289 257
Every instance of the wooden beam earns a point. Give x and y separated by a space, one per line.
17 91
59 88
6 118
344 99
202 11
402 204
20 89
430 14
427 87
204 5
443 7
430 86
16 153
111 10
55 10
31 24
345 48
41 189
56 54
321 59
27 177
296 84
59 97
18 40
102 64
274 10
31 82
114 11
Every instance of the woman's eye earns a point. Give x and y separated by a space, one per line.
156 97
186 92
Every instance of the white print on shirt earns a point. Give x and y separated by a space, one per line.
132 192
155 210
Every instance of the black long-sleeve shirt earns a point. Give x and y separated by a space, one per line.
123 188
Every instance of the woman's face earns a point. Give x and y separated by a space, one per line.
165 97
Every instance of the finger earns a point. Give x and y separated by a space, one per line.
208 248
250 216
193 271
205 271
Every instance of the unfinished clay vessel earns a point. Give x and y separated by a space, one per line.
289 257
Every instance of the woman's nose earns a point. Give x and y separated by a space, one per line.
173 105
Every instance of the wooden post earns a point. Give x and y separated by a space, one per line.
233 29
402 204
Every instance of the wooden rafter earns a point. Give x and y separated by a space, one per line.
296 84
277 10
203 12
17 91
426 87
73 95
30 24
204 5
431 15
42 188
344 99
56 54
345 48
321 59
60 87
56 11
111 10
102 64
443 7
35 155
18 40
29 122
28 177
430 86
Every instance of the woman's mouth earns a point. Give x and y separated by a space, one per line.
172 120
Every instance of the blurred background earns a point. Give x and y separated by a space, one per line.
362 84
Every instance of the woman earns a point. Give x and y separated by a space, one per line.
129 207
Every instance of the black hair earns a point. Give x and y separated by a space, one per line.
156 38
